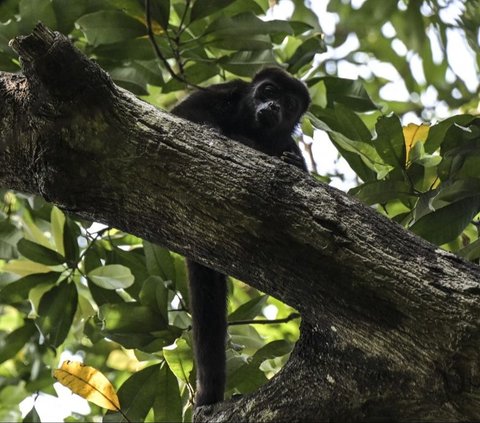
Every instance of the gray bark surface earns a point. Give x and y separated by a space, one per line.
390 323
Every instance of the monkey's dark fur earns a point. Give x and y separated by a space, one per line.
261 114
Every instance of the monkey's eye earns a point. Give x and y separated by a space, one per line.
291 104
269 90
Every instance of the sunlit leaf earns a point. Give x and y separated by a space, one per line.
89 383
57 221
413 133
112 276
180 359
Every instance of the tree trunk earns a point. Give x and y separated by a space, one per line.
391 323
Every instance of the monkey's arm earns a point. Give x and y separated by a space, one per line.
294 156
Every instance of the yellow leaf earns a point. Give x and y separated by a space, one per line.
89 383
413 133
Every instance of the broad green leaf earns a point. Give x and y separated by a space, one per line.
390 143
136 395
24 267
471 251
455 191
249 377
130 318
249 310
112 276
271 350
179 357
56 310
246 63
202 8
57 222
168 403
305 53
38 253
32 232
159 261
154 294
103 296
160 11
32 416
32 11
437 133
246 24
349 92
445 224
110 26
16 340
9 236
17 291
380 192
71 232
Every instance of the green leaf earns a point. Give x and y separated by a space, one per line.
455 191
112 276
179 357
248 377
471 251
246 24
71 232
57 222
202 8
246 63
110 26
32 416
17 291
437 133
160 11
305 53
445 224
130 318
9 236
39 254
350 92
168 402
56 311
32 11
390 142
380 192
249 310
159 261
16 340
136 396
154 294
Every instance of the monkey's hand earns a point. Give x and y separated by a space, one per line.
293 159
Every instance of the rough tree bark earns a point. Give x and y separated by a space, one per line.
391 323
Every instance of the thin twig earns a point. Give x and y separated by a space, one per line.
291 316
161 57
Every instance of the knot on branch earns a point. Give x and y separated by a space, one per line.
48 58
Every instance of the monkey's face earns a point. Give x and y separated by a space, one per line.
275 108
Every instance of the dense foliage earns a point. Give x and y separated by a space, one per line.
121 303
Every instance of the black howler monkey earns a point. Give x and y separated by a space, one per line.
261 114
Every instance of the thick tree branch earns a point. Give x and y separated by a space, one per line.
390 322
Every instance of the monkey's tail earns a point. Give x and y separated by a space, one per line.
208 302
